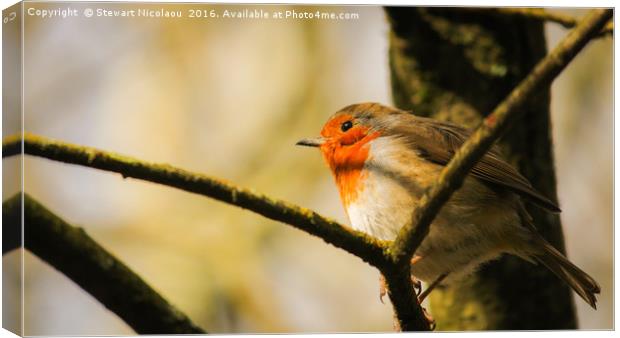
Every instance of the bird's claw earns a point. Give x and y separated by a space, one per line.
417 285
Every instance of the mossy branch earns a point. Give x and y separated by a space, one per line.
361 245
70 250
453 175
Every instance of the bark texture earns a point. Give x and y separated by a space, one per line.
456 65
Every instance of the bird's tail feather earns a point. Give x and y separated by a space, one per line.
585 286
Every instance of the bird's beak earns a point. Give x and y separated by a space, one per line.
311 142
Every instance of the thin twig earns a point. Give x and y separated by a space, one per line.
541 14
70 250
361 245
453 175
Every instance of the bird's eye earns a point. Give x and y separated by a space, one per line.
346 126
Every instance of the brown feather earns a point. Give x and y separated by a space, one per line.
438 141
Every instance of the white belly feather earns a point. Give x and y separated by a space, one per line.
461 237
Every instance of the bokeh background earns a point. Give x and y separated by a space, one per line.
230 98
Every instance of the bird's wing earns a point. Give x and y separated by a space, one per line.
438 141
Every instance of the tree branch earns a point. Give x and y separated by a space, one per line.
540 14
70 250
358 243
453 175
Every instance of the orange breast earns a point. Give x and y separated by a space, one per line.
347 165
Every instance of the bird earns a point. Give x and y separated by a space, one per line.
383 159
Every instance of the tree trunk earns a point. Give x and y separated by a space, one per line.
457 65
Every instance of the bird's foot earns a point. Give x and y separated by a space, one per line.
422 295
417 285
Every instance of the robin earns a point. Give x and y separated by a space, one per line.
383 159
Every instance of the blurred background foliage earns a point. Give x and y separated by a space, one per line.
229 98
